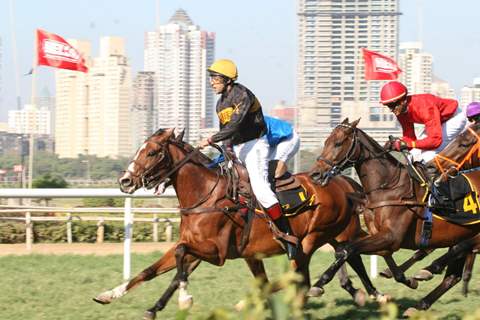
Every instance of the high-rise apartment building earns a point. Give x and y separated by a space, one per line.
143 114
417 73
442 88
71 107
93 109
179 54
30 120
330 69
470 93
109 122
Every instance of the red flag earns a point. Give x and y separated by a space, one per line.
379 67
54 51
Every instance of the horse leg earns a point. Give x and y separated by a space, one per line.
399 275
340 257
452 276
467 272
150 314
417 256
164 264
356 262
437 266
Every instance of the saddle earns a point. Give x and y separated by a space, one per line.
291 194
455 200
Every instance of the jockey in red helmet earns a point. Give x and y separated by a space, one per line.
443 120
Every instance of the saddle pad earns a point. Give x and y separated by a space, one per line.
294 201
456 201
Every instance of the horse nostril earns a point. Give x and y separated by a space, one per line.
125 181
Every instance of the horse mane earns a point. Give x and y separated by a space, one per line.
376 145
199 157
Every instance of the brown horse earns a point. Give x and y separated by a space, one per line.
211 225
397 203
461 154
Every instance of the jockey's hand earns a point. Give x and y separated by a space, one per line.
398 145
204 143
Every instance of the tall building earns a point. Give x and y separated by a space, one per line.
109 122
179 54
330 69
93 109
442 88
71 107
416 65
470 93
143 114
30 120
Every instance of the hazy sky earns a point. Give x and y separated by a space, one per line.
259 35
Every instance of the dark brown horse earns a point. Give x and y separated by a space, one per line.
461 154
397 203
211 225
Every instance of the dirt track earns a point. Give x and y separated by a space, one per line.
90 248
82 248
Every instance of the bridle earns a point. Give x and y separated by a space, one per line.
353 155
467 157
348 161
151 176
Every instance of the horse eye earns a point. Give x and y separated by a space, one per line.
152 153
338 144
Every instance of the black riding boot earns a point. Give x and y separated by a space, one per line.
284 226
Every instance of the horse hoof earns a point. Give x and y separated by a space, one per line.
412 283
103 298
149 315
315 292
185 302
409 312
423 275
360 297
386 274
240 305
383 298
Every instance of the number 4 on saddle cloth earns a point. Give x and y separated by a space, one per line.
456 199
291 194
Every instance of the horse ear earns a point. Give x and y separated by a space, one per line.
169 133
345 121
354 123
179 135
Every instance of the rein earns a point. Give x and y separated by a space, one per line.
468 156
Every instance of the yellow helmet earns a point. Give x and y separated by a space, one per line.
224 67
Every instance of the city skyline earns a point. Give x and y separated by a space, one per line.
265 49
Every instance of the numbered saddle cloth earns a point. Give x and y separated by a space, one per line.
456 200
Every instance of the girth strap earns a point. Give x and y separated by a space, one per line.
395 203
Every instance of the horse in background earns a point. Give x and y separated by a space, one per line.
397 203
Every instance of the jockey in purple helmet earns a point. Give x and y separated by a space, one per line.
473 112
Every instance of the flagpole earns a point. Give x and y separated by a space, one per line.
32 131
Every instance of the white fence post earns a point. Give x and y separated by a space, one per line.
128 223
155 228
168 231
373 266
69 227
100 230
28 230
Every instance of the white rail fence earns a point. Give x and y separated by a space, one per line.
71 217
128 211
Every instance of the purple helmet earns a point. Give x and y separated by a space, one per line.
473 109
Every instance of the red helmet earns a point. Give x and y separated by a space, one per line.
392 91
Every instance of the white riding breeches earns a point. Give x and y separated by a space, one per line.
286 149
450 129
254 155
